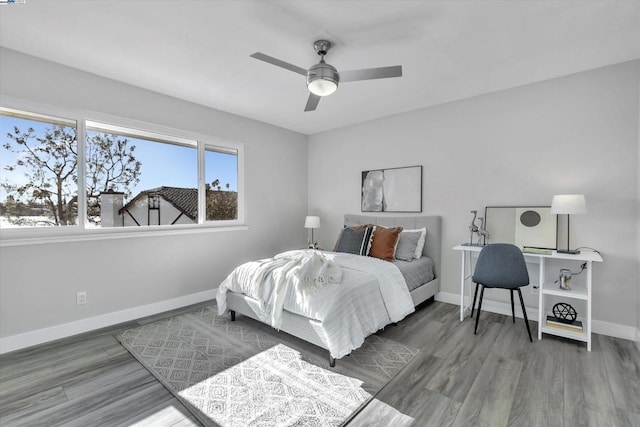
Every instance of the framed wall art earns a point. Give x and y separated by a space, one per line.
392 190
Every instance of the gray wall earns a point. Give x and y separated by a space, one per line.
521 146
38 283
576 134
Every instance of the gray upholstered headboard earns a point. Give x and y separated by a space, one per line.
433 224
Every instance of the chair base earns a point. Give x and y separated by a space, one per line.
513 312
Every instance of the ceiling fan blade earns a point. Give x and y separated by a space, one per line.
279 63
312 102
371 73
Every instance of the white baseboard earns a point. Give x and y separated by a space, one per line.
614 330
40 336
597 326
448 298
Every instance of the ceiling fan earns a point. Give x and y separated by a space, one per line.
323 78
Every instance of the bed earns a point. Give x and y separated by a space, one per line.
328 330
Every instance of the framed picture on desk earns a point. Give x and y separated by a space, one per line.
531 226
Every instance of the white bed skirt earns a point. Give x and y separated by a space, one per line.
310 330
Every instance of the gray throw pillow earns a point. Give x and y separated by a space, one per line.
355 241
407 243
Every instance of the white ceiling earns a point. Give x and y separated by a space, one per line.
199 50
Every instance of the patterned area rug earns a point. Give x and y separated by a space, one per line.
244 373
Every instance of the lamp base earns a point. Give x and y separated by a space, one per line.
568 251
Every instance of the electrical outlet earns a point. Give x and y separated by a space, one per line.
81 297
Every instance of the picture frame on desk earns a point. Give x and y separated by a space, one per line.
525 226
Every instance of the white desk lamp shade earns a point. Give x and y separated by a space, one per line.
312 222
568 204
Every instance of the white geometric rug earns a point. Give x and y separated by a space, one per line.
245 374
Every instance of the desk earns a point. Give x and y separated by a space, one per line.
544 288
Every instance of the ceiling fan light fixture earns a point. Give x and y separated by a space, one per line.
322 87
322 79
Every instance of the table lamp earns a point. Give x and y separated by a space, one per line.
567 204
312 222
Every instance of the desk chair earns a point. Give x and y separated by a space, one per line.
501 265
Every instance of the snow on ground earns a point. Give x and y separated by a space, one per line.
25 221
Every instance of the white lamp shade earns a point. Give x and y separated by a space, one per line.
312 222
568 204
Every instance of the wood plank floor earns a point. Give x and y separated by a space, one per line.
496 378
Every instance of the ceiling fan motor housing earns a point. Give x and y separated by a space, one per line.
322 79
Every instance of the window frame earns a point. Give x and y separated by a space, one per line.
80 232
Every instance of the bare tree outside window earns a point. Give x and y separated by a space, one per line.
46 167
41 180
111 166
40 166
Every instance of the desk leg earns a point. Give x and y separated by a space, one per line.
462 280
541 316
589 265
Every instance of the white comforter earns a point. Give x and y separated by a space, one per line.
364 296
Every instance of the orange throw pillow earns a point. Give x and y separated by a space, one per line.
384 242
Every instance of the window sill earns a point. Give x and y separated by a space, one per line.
68 236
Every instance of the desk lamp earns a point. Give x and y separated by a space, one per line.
312 222
567 204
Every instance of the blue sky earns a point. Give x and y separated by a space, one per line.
162 164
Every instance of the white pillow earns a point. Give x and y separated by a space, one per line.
421 240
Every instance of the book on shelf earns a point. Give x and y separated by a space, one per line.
563 328
575 326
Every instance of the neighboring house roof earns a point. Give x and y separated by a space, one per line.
183 199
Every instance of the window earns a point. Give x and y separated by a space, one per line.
38 170
131 177
221 184
137 178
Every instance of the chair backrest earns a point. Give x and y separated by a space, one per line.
501 265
